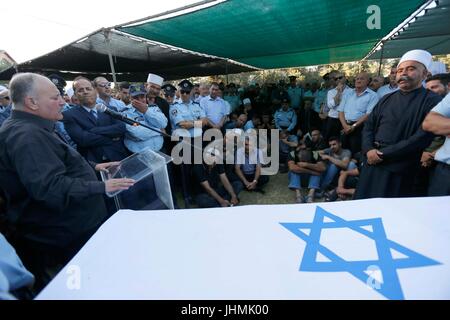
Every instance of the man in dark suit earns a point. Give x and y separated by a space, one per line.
99 137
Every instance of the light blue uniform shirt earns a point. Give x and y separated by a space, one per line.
384 90
285 118
321 96
215 109
249 162
443 108
13 274
355 107
295 94
138 138
249 125
190 111
113 104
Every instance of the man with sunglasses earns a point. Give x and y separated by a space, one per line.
103 88
334 97
5 105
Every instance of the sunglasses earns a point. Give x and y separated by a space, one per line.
7 98
104 85
185 91
338 78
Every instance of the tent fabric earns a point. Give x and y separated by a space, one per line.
279 33
133 59
430 32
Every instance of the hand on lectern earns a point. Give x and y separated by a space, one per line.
105 166
114 185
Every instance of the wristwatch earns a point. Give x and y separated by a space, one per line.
354 125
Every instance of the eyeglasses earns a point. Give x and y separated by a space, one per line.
7 98
104 85
185 92
169 95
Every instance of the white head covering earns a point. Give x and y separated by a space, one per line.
155 79
422 56
437 67
2 88
246 101
70 92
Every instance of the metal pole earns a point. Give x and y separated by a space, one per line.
381 58
107 34
226 70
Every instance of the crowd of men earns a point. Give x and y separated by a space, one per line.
375 137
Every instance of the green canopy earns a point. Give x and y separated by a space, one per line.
279 33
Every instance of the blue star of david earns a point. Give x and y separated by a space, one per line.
390 287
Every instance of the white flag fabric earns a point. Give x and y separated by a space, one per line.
365 249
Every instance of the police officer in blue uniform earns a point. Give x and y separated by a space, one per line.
187 115
285 117
188 119
138 138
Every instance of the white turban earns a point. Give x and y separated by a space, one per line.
155 79
422 56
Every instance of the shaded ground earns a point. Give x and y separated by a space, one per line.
276 192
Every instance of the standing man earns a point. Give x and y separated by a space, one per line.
334 98
98 136
5 105
354 111
124 92
153 86
295 93
138 138
393 139
391 86
55 199
103 88
438 122
215 107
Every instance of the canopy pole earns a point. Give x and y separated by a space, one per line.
381 58
226 70
107 34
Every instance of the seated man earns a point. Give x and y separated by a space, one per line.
337 159
303 166
209 192
288 143
248 167
347 182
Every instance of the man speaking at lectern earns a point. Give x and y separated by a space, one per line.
55 201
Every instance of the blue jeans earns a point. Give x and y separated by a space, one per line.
332 171
295 180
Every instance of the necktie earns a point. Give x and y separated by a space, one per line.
94 114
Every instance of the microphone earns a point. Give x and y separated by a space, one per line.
100 107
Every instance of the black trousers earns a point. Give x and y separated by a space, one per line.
440 181
353 140
333 128
204 200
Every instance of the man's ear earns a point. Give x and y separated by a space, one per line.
30 103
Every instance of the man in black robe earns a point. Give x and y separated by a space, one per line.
393 139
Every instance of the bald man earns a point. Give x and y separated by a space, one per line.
55 199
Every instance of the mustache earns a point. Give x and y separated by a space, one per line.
405 78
